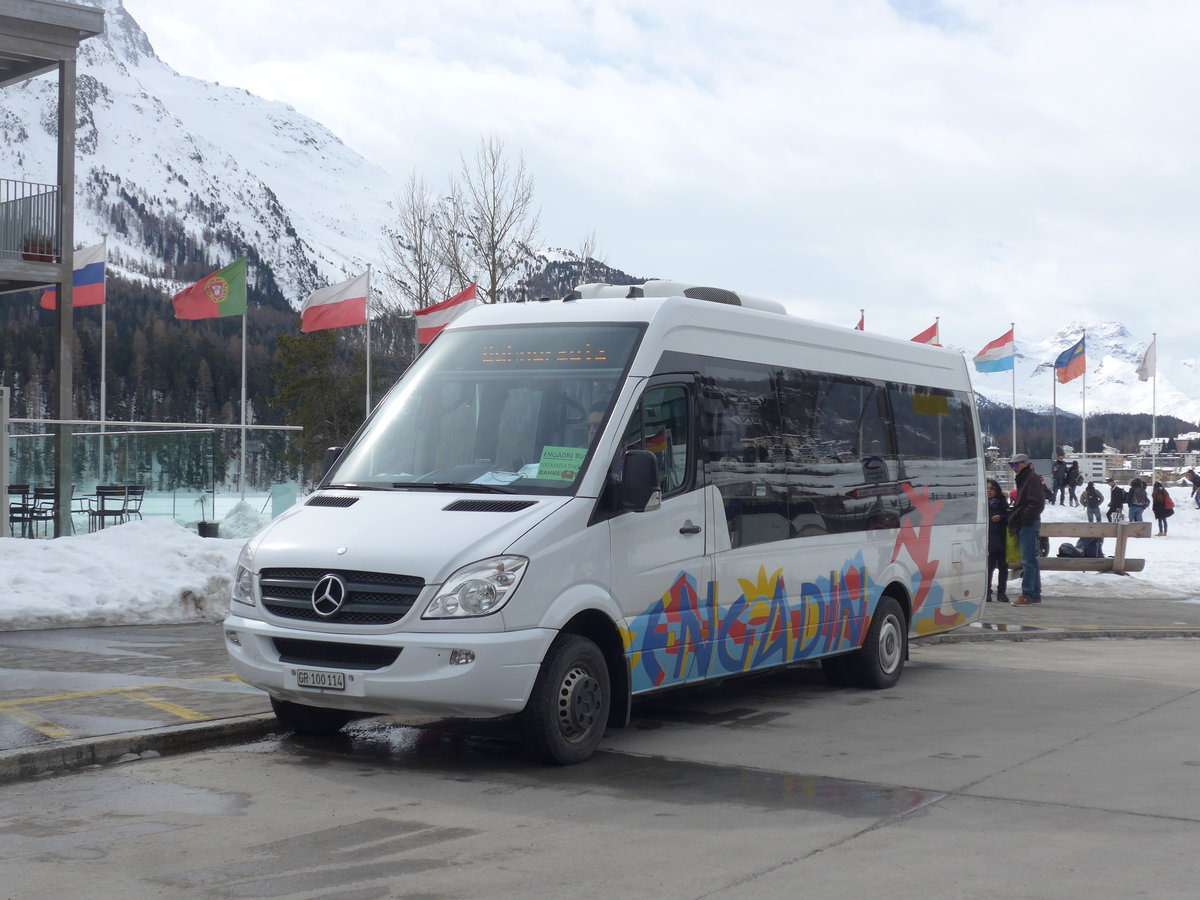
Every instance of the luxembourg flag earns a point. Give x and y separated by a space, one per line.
87 279
928 336
432 319
336 306
998 356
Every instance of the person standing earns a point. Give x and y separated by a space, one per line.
997 560
1195 480
1092 498
1163 507
1058 481
1137 499
1116 501
1074 480
1025 521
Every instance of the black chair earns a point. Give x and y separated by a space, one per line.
107 507
134 494
42 511
18 508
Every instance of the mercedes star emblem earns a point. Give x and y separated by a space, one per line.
328 595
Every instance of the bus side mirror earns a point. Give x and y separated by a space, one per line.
639 482
327 461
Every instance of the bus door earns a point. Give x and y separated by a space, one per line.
661 574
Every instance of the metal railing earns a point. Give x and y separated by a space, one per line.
29 224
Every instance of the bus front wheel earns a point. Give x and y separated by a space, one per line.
564 721
880 660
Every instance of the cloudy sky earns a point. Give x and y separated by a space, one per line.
983 161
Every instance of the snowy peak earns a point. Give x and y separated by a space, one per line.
177 172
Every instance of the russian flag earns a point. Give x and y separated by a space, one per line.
998 356
87 279
336 306
432 319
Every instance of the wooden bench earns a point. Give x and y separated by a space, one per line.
1118 562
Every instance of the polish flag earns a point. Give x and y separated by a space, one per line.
336 306
928 336
87 279
432 319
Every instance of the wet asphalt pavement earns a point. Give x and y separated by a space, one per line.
83 695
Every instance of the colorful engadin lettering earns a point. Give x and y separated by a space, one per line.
686 636
933 609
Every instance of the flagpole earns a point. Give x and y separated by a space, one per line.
103 365
368 315
242 462
1154 412
1054 414
1084 340
1013 327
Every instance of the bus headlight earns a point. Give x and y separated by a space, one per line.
243 581
478 589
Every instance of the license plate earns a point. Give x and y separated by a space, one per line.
325 681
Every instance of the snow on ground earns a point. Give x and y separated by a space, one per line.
160 572
150 572
1171 571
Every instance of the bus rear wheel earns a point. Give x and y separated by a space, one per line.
880 660
564 720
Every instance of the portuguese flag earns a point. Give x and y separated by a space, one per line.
218 295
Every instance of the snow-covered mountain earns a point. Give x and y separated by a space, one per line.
168 165
1113 356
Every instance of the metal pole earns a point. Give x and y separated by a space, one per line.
242 463
1014 389
368 314
1084 339
1154 411
5 531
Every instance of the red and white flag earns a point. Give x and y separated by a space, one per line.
862 323
928 336
432 319
336 306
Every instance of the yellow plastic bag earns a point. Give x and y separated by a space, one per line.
1012 550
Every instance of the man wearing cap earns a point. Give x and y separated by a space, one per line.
1025 521
1116 501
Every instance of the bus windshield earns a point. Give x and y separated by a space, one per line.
504 410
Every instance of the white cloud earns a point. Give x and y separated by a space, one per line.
1031 161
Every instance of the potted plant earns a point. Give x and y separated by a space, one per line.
37 247
206 529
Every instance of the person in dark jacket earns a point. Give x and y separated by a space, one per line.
1058 481
1191 476
1025 521
1116 501
1137 499
1092 498
1074 480
997 560
1163 507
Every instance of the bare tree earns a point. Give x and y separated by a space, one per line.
495 208
415 274
588 260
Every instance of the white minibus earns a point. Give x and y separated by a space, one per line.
565 505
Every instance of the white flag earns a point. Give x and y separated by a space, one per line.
1145 369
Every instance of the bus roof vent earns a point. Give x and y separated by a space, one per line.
713 295
658 288
501 506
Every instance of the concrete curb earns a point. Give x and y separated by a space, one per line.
1050 633
60 756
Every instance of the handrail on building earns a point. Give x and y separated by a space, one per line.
30 228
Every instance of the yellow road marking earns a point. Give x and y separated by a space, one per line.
180 712
12 704
32 720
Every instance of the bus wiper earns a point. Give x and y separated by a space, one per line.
469 487
354 486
